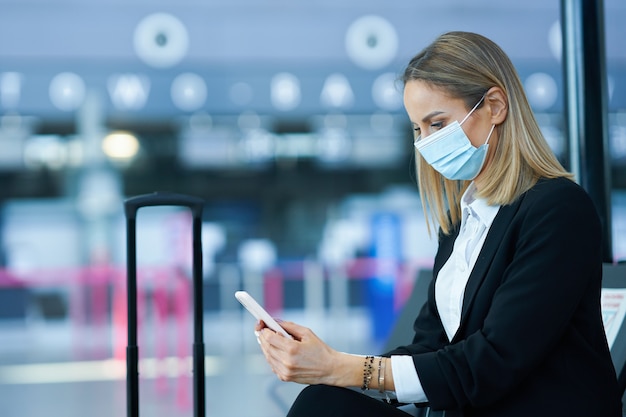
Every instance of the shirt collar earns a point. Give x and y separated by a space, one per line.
477 206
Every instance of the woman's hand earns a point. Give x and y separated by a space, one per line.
306 359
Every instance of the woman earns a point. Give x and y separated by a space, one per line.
512 325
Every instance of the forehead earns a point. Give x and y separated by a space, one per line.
419 95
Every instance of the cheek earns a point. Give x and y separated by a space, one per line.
478 134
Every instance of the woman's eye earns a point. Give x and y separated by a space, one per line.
436 125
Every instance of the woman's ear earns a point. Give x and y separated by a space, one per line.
498 105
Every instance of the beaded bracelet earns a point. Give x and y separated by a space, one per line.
367 372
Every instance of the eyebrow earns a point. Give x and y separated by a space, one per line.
429 116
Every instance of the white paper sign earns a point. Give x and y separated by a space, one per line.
613 310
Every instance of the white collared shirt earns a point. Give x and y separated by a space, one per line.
476 220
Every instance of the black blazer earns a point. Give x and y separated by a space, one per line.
531 341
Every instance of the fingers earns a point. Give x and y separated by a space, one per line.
260 325
271 353
273 339
274 356
276 347
282 353
271 345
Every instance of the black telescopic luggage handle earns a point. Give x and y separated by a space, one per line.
131 206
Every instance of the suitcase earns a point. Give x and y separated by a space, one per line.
131 206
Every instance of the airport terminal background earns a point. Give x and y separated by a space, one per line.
287 119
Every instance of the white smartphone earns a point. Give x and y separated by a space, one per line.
259 312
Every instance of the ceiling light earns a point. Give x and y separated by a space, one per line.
120 145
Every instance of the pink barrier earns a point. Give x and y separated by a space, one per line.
166 293
182 311
161 307
170 296
273 290
97 289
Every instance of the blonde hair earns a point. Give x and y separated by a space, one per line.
466 65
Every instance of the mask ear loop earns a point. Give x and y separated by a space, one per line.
489 135
472 111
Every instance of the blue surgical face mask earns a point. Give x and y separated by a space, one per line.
451 153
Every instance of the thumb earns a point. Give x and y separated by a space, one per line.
294 329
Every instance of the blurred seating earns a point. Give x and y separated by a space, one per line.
614 276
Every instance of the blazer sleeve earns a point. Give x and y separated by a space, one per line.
546 261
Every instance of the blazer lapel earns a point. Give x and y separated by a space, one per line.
492 242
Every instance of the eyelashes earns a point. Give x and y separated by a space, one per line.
417 132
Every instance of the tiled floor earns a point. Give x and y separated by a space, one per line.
56 369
